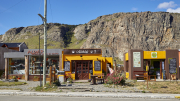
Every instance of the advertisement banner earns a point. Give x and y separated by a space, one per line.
136 59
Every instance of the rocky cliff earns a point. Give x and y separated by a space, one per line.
54 32
116 33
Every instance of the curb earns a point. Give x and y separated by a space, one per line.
76 94
178 97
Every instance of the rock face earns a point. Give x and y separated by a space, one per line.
116 33
54 32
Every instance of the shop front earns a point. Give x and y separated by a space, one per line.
162 64
82 63
29 64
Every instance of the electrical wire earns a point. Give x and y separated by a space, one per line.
51 11
11 7
39 10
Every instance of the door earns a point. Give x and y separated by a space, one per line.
82 70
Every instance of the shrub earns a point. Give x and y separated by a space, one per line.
68 77
57 83
35 77
14 77
116 78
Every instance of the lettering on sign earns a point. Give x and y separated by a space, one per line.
97 65
82 51
172 65
66 65
41 53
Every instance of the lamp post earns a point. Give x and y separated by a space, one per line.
45 41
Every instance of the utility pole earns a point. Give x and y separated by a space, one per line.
45 41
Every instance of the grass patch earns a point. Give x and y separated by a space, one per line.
75 44
33 43
118 61
159 87
48 88
10 89
11 83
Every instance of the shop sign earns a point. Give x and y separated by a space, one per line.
82 51
41 52
136 59
153 54
66 65
172 65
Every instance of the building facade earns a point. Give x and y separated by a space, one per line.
165 63
79 63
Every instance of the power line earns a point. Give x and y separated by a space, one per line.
39 10
39 7
11 7
51 11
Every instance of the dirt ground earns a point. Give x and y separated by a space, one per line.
172 87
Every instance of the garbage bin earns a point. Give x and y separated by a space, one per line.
158 74
60 76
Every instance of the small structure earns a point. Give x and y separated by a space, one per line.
10 47
82 63
79 63
159 63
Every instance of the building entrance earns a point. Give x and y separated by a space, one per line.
82 70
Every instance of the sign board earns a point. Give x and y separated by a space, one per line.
41 52
66 65
136 59
97 65
82 51
153 54
172 65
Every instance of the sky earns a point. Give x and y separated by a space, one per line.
23 13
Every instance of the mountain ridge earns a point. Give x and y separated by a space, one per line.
115 33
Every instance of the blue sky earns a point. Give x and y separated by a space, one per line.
23 13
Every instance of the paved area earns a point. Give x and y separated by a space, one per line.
61 98
84 90
80 86
92 94
57 98
27 87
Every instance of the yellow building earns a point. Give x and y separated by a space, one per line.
159 63
82 63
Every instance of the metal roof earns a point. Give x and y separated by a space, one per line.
10 44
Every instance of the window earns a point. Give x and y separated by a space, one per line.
37 68
16 66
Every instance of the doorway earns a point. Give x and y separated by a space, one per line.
82 68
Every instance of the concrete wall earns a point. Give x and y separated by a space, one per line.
2 60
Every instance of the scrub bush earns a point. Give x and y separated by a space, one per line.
68 77
116 78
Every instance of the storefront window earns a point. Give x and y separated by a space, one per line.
35 67
16 66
